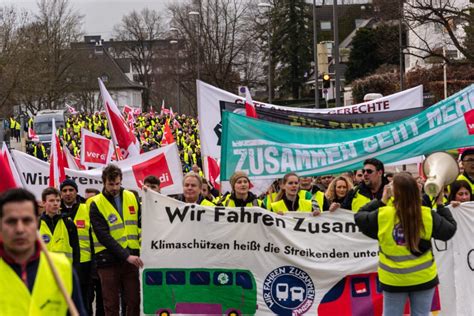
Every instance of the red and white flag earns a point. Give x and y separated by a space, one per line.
163 109
96 150
32 135
57 173
213 172
117 155
249 106
121 133
10 176
176 124
171 112
72 162
167 135
71 109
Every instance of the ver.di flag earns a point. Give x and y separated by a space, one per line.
121 133
267 150
96 150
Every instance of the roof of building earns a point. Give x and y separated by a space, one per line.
95 62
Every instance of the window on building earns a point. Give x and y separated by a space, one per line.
326 25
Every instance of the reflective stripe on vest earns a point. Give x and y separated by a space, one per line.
83 224
125 231
303 206
463 177
57 241
45 299
397 265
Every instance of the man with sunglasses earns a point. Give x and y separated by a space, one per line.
369 189
467 159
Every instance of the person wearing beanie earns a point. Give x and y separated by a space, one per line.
467 160
73 206
241 196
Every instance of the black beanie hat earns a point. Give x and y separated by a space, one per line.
68 182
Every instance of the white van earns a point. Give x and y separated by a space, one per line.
43 123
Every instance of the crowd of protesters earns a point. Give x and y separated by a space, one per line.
107 268
148 128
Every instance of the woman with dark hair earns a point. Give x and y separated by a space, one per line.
406 264
460 192
287 199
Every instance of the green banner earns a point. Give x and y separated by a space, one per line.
267 150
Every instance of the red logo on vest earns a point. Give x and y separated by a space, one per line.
469 119
131 209
80 223
157 166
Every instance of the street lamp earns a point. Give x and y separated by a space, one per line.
198 66
265 7
178 90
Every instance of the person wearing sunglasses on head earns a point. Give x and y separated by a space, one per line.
371 188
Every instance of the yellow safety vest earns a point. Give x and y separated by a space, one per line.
463 177
360 200
397 265
57 241
303 206
229 202
124 231
269 199
83 224
319 198
35 151
45 299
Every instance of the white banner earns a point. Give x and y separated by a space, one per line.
217 260
455 260
163 163
209 98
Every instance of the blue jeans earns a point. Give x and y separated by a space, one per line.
420 302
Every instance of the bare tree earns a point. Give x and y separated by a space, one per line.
433 22
11 20
222 33
139 32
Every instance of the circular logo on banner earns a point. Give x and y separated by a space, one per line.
398 235
46 239
112 218
288 291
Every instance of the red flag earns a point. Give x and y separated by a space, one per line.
121 133
214 172
117 154
249 106
56 162
32 135
167 135
96 150
10 176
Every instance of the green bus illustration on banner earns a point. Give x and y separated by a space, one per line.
229 292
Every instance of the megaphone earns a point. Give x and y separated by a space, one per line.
440 169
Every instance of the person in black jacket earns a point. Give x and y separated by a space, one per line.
404 231
51 219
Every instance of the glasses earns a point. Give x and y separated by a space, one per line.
368 171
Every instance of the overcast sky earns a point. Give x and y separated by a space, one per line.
100 16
